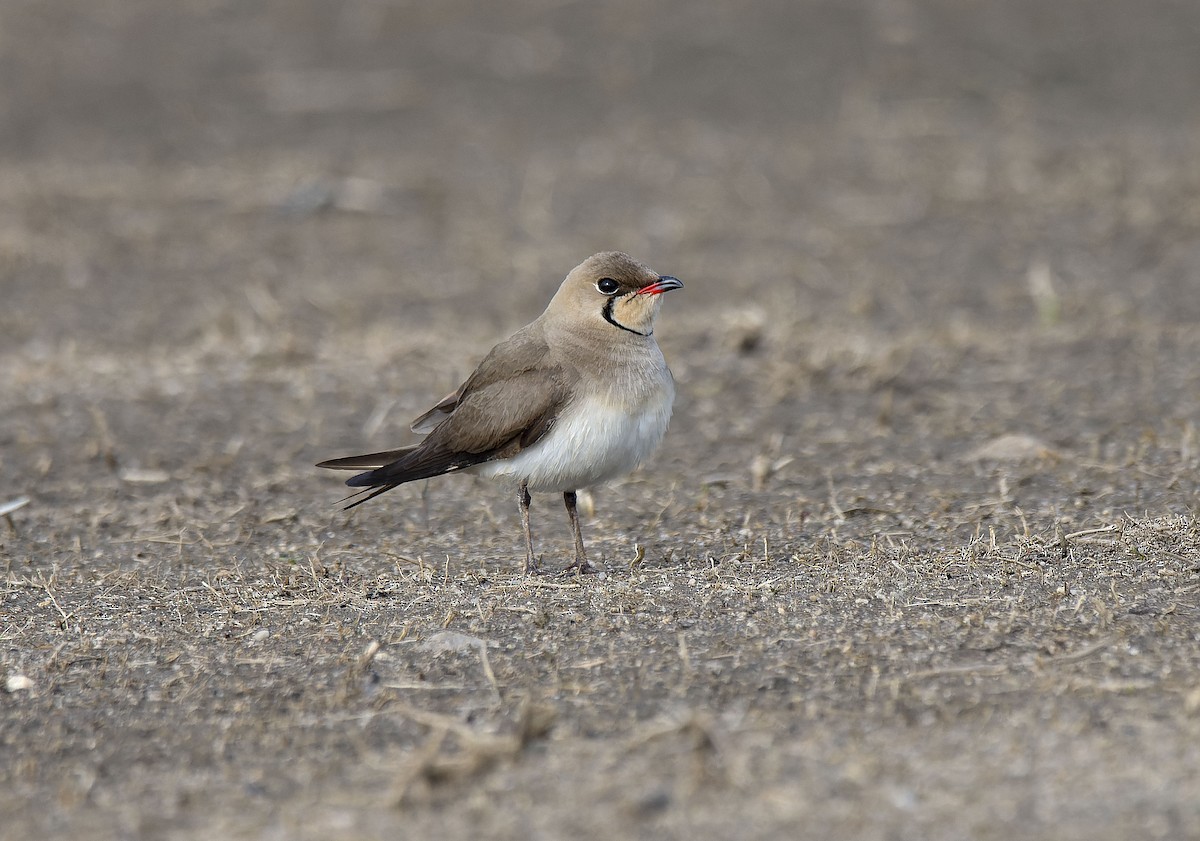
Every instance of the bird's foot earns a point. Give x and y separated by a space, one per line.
580 566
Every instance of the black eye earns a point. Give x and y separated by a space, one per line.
607 285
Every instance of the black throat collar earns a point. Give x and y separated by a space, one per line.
608 316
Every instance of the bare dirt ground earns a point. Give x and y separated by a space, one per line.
919 559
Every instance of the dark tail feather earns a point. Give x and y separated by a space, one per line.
395 467
365 480
371 493
419 463
368 460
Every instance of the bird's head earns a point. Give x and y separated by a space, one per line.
614 290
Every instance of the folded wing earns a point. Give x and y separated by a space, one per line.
509 402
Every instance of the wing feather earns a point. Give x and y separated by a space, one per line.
509 403
367 460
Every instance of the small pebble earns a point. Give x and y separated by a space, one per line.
18 683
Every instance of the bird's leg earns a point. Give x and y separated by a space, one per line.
523 498
581 562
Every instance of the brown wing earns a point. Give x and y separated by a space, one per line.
509 402
438 413
497 421
520 353
503 417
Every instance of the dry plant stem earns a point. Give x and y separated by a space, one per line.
473 753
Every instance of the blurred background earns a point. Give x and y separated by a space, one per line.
376 159
197 197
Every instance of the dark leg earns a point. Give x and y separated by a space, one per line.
523 498
581 562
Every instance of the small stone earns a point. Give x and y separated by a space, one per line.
18 683
452 641
1011 448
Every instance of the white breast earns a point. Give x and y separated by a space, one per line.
594 440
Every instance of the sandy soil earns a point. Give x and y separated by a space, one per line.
919 559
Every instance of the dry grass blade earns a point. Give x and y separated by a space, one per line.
472 754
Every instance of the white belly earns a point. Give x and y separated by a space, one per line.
594 440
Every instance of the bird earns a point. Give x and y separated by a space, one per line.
579 396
